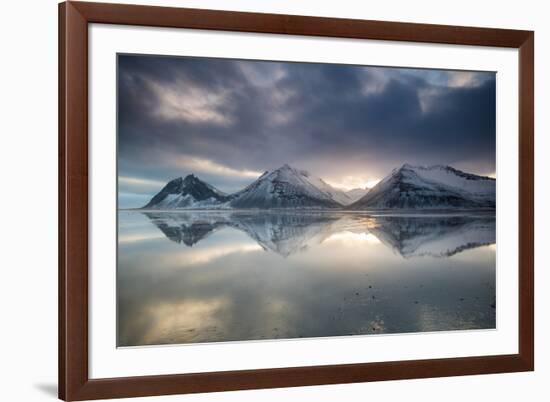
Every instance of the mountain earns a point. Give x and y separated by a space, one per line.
190 192
434 187
407 187
356 193
287 187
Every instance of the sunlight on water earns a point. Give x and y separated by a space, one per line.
205 276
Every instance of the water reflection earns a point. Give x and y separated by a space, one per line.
436 236
226 276
289 233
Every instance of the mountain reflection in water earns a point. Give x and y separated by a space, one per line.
288 233
243 275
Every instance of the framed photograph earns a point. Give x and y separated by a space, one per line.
257 200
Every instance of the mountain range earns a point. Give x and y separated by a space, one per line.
406 187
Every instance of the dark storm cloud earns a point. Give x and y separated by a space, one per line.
228 120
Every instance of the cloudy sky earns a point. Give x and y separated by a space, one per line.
227 121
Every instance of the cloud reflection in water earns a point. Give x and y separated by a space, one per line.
219 276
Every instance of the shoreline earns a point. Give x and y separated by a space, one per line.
386 212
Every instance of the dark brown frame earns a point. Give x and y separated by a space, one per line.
74 383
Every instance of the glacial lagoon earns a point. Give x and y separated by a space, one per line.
217 276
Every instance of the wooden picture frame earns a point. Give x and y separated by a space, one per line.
74 381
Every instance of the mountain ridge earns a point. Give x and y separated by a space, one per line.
186 192
429 187
406 187
286 187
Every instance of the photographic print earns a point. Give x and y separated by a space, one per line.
262 200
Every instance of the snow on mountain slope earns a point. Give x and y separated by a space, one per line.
337 195
407 187
287 187
477 186
356 193
435 187
190 192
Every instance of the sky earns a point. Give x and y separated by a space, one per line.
227 121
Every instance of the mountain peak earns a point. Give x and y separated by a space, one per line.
176 180
444 169
410 166
188 192
429 187
288 187
286 168
191 179
173 185
406 167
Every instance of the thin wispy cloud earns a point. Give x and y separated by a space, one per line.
202 165
262 75
352 182
465 79
428 97
184 101
138 181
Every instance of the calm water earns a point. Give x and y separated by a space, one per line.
187 277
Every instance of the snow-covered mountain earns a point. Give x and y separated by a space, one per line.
287 187
407 187
434 187
356 193
190 192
